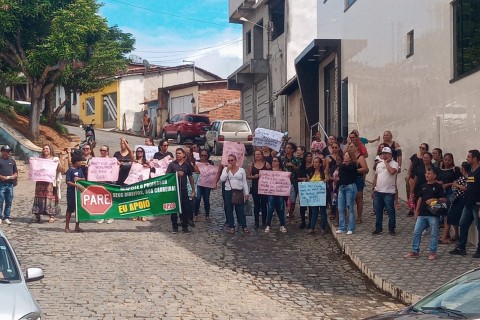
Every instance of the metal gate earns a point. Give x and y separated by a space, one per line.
110 110
182 105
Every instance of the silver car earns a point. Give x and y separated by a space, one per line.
16 301
228 130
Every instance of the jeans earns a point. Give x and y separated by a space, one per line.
469 214
185 204
239 210
323 217
203 192
6 195
422 223
276 203
259 205
383 200
346 200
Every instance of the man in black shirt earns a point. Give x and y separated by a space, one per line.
8 174
472 201
162 150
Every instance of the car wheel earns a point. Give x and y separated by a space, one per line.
216 149
164 136
179 138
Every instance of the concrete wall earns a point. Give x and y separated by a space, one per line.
97 117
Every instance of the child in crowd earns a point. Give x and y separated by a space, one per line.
74 173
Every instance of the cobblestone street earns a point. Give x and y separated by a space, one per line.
132 269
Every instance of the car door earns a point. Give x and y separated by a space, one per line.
212 134
169 127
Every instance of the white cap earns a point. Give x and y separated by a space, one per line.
386 150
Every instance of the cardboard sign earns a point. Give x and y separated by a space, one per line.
312 194
160 166
149 151
238 149
208 175
137 173
103 169
268 138
274 183
42 169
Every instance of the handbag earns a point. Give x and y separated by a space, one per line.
237 195
439 209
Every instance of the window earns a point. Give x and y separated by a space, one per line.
90 106
248 42
467 36
8 267
410 44
277 17
196 119
348 3
237 126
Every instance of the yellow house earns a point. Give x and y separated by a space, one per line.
101 107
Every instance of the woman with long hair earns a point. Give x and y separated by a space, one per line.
318 175
140 158
362 170
347 191
105 153
304 174
276 203
259 200
125 157
46 201
292 164
203 192
416 160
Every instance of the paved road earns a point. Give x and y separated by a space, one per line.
135 269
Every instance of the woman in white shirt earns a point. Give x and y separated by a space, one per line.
235 178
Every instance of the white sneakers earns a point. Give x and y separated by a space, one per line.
349 232
283 229
7 221
109 221
267 229
101 221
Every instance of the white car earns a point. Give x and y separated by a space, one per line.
228 130
16 301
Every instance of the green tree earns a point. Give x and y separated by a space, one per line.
59 42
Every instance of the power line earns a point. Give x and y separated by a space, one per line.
205 48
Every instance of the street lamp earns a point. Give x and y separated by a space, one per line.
271 107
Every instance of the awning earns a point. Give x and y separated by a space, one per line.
306 65
289 87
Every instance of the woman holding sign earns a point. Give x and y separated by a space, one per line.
125 157
318 175
203 192
141 159
276 203
235 179
259 201
46 193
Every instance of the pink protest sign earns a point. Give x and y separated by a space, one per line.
208 175
103 169
274 183
137 173
238 149
42 169
160 166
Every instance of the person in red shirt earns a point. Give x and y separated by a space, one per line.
354 137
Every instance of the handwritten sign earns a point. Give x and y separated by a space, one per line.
149 151
312 194
208 175
137 173
274 183
160 166
42 169
238 149
103 169
268 138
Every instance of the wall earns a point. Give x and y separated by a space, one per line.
296 123
98 116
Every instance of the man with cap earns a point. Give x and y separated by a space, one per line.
8 174
384 188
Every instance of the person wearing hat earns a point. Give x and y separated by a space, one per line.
8 175
384 188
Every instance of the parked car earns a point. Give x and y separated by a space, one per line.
185 126
16 301
457 299
228 130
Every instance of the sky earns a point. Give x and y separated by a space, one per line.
170 31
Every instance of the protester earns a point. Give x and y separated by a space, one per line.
235 178
384 188
362 170
125 157
318 175
46 201
259 200
304 173
74 173
276 203
396 156
140 158
149 142
292 164
419 178
448 173
105 153
87 154
354 137
347 191
317 145
162 151
437 157
203 192
328 150
267 154
195 174
8 175
416 160
331 164
184 171
470 211
430 193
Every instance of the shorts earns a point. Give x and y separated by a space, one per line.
71 202
360 183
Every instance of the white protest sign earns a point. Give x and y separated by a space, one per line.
149 151
137 173
238 149
160 166
42 169
268 138
103 169
312 194
274 183
208 175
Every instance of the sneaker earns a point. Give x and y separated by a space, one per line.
392 232
376 231
339 231
186 231
458 252
174 231
267 229
0 221
256 227
7 221
349 232
100 221
109 221
191 224
283 229
411 255
476 255
432 256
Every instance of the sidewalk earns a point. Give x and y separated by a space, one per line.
380 257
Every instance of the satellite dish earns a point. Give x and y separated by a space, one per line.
146 64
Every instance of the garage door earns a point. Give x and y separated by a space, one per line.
247 103
262 104
182 104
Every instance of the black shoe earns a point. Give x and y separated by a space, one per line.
256 226
303 225
392 232
376 231
458 252
191 224
410 213
476 255
186 231
174 231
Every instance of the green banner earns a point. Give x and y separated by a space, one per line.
156 196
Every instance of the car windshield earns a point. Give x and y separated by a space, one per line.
8 267
461 294
235 127
198 119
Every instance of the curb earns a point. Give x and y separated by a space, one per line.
22 147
